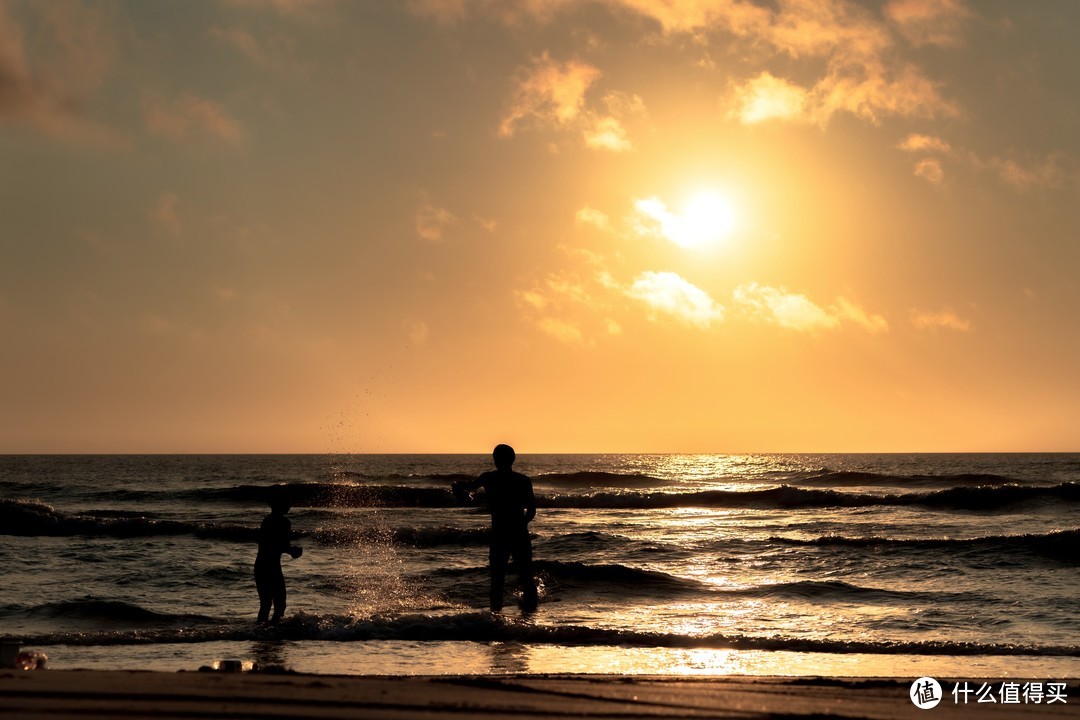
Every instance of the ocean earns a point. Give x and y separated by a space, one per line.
961 565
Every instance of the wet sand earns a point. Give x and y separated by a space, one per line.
128 694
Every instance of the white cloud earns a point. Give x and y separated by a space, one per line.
789 310
767 97
669 293
798 312
607 133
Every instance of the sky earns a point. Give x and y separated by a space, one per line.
571 225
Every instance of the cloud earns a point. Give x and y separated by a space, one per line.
549 303
706 219
561 330
847 310
924 143
861 71
1027 175
608 133
190 115
798 312
929 22
48 92
594 217
852 51
550 92
691 16
165 213
271 51
669 293
939 320
417 330
767 97
308 10
930 170
431 221
789 310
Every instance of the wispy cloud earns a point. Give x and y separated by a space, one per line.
432 221
1025 175
945 319
929 22
930 170
562 330
592 216
557 305
166 214
552 94
190 116
798 312
48 92
269 50
306 10
416 330
549 92
915 142
670 294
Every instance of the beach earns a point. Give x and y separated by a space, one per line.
59 694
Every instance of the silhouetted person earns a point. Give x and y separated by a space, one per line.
274 537
512 506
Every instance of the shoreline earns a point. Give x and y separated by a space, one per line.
140 693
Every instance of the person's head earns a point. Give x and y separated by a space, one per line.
504 457
279 500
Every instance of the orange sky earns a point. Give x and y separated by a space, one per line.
588 226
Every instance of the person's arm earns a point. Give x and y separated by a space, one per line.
530 502
285 539
463 489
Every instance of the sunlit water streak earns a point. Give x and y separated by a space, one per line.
771 564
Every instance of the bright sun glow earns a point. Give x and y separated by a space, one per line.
706 220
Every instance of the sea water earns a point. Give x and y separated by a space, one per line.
901 565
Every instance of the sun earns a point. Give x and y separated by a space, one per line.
707 220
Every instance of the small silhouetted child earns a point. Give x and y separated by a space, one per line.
274 538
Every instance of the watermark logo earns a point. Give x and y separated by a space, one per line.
925 693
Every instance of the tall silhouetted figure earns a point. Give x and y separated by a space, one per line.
274 538
512 506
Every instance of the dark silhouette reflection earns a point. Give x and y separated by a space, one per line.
269 655
274 538
509 657
509 497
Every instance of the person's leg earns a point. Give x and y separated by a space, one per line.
498 558
278 592
266 596
524 561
